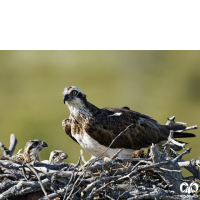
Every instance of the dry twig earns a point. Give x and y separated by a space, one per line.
156 176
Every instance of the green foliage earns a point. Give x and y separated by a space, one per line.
158 83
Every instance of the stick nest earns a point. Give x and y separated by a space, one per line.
152 176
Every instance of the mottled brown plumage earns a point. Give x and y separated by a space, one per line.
94 128
66 124
57 157
31 152
138 154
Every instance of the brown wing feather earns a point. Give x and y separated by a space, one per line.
144 131
126 108
66 124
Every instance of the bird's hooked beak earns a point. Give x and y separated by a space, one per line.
44 144
64 156
66 97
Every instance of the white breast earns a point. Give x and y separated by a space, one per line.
77 108
94 148
89 144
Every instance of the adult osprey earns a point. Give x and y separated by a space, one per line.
94 128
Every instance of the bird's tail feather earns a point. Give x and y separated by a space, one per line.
176 127
183 135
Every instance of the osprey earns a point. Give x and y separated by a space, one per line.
95 128
56 157
31 152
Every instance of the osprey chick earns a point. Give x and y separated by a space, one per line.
56 157
31 152
94 128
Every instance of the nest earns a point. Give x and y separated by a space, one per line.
152 176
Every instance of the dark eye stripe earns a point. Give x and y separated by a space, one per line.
34 144
80 95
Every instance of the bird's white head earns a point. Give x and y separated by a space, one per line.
71 93
76 101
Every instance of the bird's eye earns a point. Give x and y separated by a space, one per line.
34 144
56 154
74 92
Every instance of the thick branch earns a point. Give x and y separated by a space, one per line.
13 143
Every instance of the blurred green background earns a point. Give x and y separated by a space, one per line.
158 83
